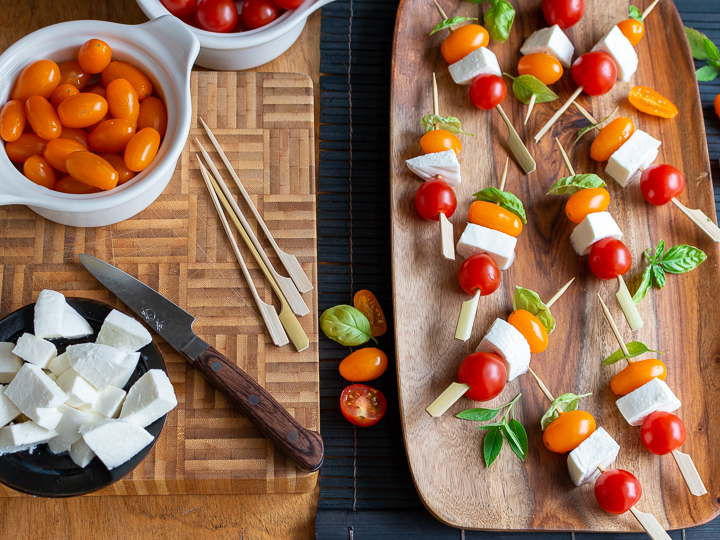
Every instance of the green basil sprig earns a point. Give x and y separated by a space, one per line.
530 301
589 128
448 123
447 23
526 86
635 348
564 403
504 199
498 19
346 325
704 49
508 426
635 13
677 260
572 184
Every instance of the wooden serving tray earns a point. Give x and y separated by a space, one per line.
264 122
445 454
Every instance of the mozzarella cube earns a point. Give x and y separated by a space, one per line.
74 325
10 363
479 62
8 410
68 429
638 152
598 450
619 47
32 389
47 418
443 164
478 239
80 392
109 401
48 316
149 398
650 397
123 332
115 441
592 229
59 364
100 365
35 350
81 454
25 436
552 41
506 341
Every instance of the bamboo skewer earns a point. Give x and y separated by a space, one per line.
558 114
530 108
648 10
501 186
447 234
699 218
517 147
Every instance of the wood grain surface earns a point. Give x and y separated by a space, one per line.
445 454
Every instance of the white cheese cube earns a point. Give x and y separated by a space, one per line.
25 436
479 62
619 47
443 164
8 410
80 392
506 341
109 401
48 316
478 239
68 429
32 389
552 41
74 325
149 398
100 365
650 397
10 363
592 229
115 441
35 350
598 450
129 368
123 332
59 364
638 152
81 454
47 418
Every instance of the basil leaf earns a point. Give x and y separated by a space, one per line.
499 19
504 199
697 43
682 258
658 276
447 23
635 13
573 184
711 50
526 86
530 301
707 73
564 403
645 284
659 251
346 325
589 128
479 415
635 348
449 123
493 425
492 443
516 438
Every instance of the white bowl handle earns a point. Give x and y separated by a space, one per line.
6 197
181 42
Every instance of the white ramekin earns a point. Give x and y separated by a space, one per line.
245 50
165 51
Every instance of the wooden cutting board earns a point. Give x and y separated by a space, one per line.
445 454
264 122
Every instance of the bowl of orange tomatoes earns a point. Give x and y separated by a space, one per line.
93 117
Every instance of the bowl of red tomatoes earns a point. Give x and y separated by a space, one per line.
237 35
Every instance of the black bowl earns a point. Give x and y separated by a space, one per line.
43 473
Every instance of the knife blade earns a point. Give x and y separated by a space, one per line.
303 446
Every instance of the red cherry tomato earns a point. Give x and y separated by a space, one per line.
617 491
288 4
564 13
479 272
660 183
487 91
662 432
485 373
435 197
596 71
362 405
257 13
216 15
180 8
609 258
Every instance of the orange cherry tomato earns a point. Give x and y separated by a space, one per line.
637 374
28 144
493 216
633 30
82 110
72 73
111 136
123 100
531 328
118 164
75 134
463 41
439 140
70 185
98 89
568 430
105 118
366 302
547 69
611 138
153 114
649 101
12 120
716 103
94 56
42 117
364 365
92 170
123 70
61 93
39 171
38 79
57 151
141 149
586 201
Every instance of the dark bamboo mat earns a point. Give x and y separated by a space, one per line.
365 486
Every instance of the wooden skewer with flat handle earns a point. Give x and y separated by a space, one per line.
517 147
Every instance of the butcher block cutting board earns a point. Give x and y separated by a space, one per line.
683 319
264 122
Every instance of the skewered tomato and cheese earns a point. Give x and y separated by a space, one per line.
549 42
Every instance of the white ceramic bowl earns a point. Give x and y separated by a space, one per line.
165 50
249 49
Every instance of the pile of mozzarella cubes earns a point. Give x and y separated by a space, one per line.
75 402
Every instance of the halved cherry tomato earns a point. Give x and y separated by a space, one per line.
58 150
364 365
637 374
649 101
123 100
609 258
153 114
141 149
479 272
42 117
123 70
564 13
487 91
617 491
362 405
39 171
12 120
257 13
92 170
82 110
531 328
61 93
26 145
94 56
632 29
596 71
439 140
111 136
217 15
75 134
662 432
118 163
366 302
568 430
463 41
435 197
72 73
38 79
485 373
493 216
611 138
70 185
547 69
586 201
660 183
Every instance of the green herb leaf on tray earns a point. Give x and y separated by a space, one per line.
573 184
676 260
635 348
697 43
346 325
526 86
565 403
447 23
645 284
492 444
479 415
520 445
589 128
504 199
508 427
448 123
704 49
530 301
499 19
635 13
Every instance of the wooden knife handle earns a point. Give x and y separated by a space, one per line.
303 446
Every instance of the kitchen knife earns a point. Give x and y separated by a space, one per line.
174 324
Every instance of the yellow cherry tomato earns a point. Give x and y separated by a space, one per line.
637 374
439 140
611 137
463 41
531 328
364 365
547 69
586 201
493 216
568 430
12 120
39 171
633 30
649 101
141 149
92 170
